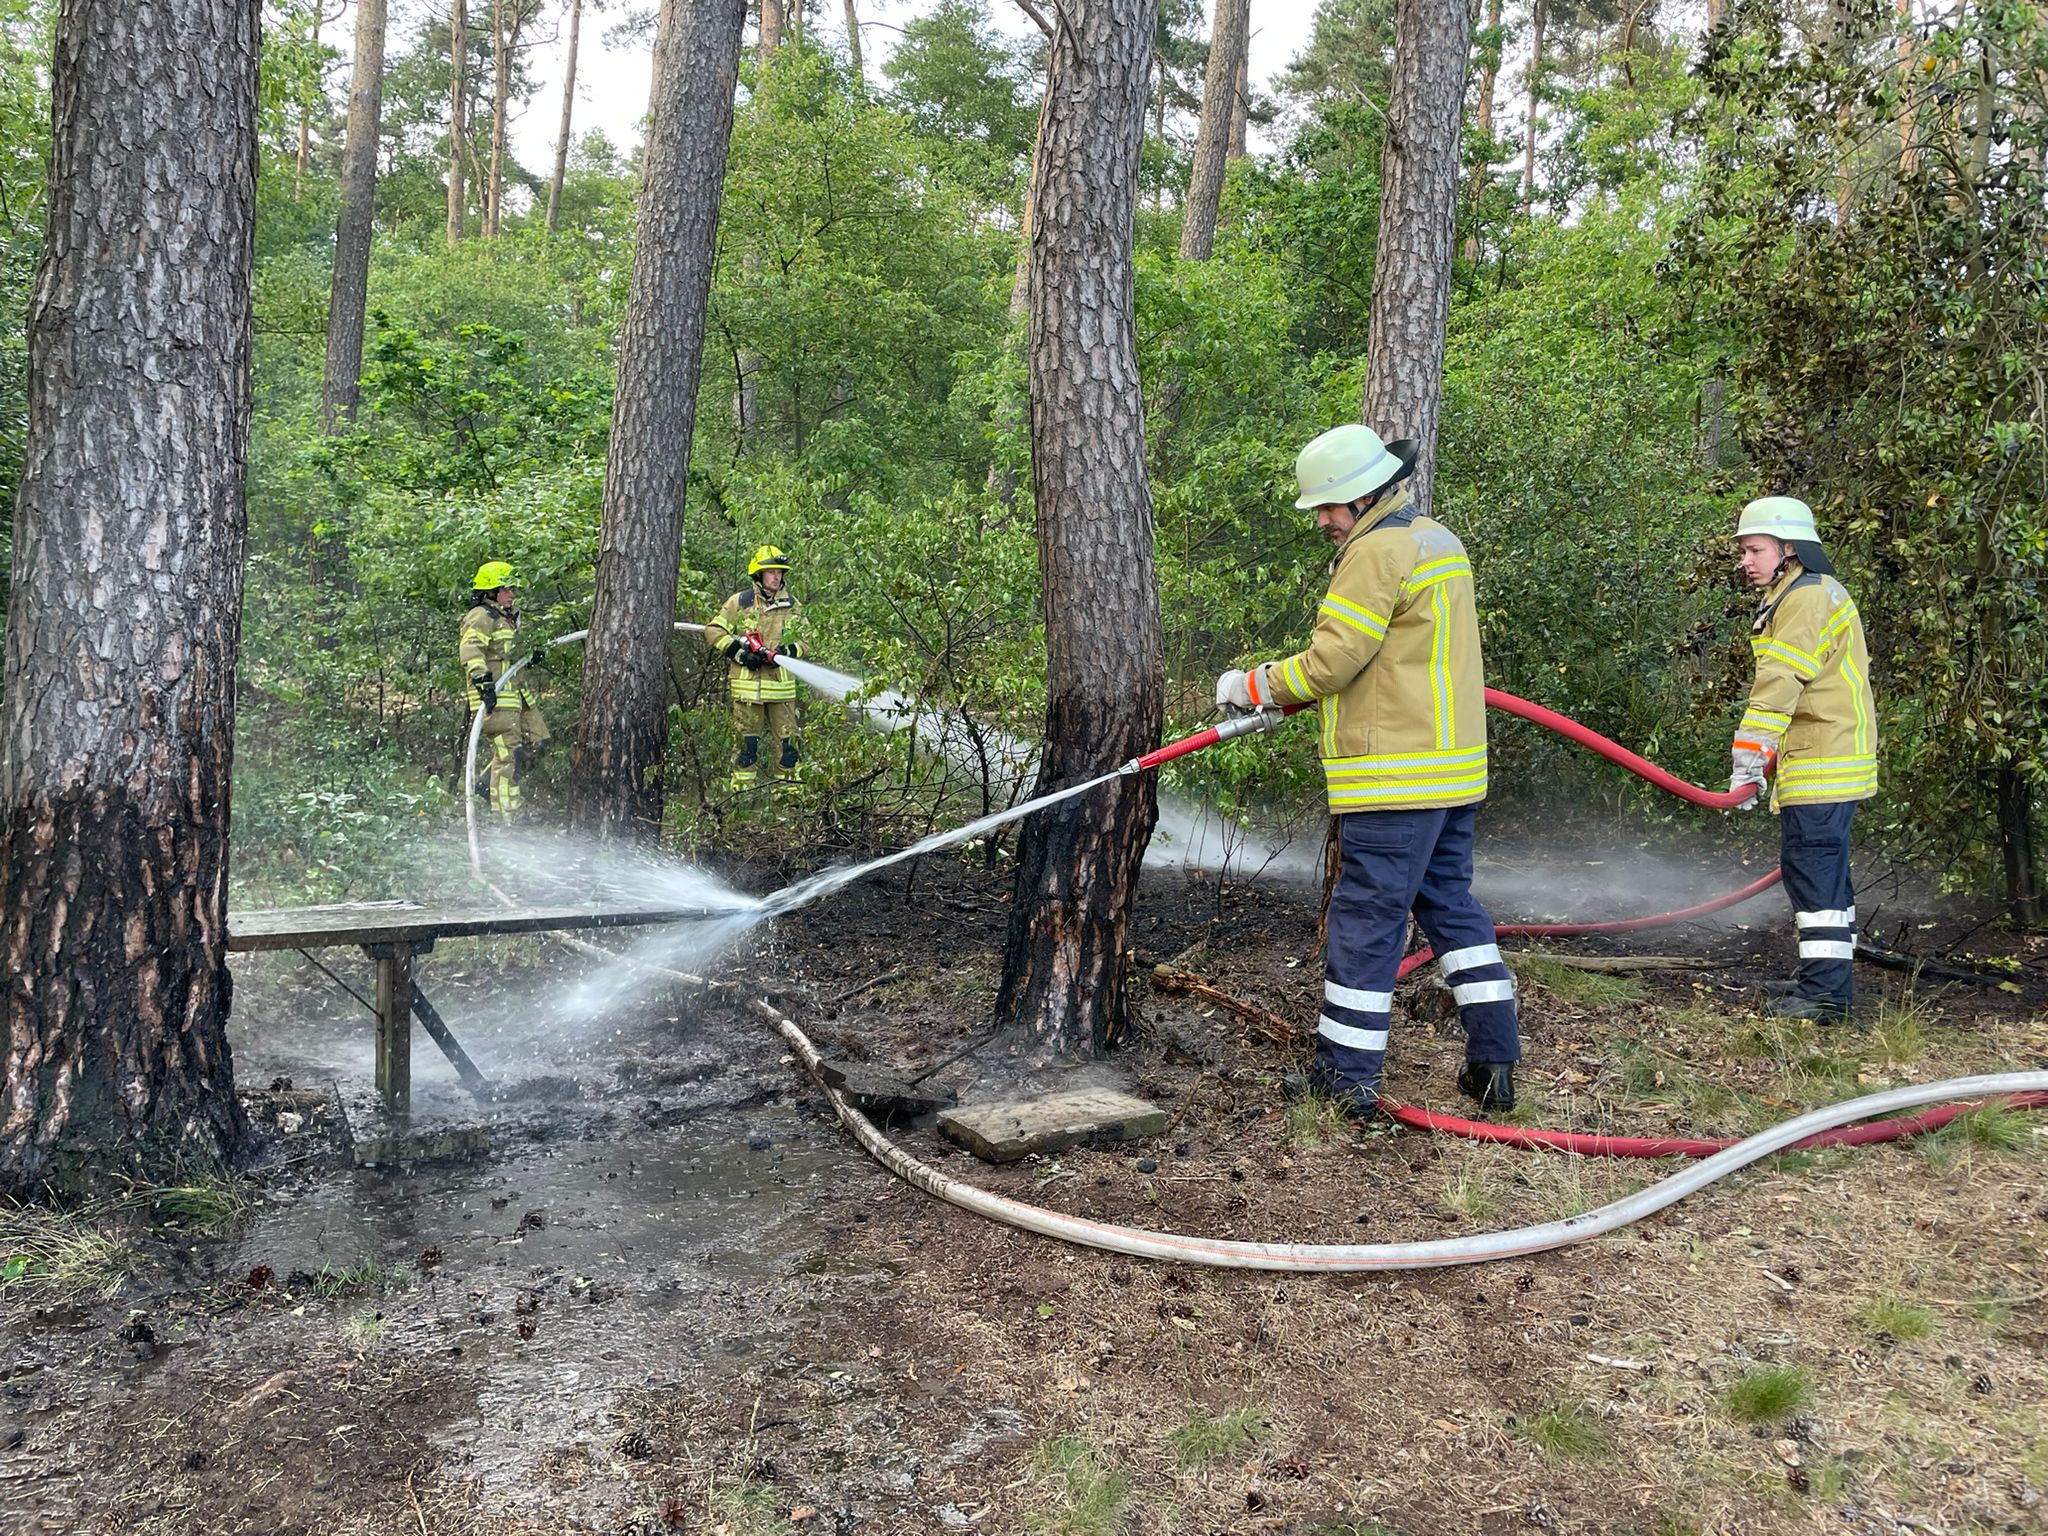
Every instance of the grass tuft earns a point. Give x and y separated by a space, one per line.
1768 1394
50 1253
1203 1437
368 1277
1567 1430
208 1207
1096 1495
1900 1033
1471 1193
1996 1128
1569 984
1314 1118
1890 1315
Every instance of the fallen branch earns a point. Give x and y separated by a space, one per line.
1893 959
1271 1025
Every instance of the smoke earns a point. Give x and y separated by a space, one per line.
1601 882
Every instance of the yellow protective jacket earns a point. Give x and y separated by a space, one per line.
1395 669
488 646
767 617
1812 698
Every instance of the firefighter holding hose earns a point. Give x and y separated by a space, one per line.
752 632
513 729
1394 668
1810 734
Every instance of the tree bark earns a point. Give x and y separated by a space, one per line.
771 29
1536 25
855 68
1909 149
1227 39
568 112
348 296
1078 862
122 627
1240 102
501 98
1489 82
458 117
1411 289
616 775
2016 843
306 124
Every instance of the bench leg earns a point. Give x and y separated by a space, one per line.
394 1025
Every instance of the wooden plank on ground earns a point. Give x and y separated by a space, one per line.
1003 1133
404 922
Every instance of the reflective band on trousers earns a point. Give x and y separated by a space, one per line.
1844 917
1353 997
1827 949
1483 992
1470 959
1344 1034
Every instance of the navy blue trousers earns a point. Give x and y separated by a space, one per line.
1813 851
1395 862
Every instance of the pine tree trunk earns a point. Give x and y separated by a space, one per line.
306 126
855 68
1411 290
1536 25
1909 150
568 111
771 29
348 296
2016 843
1078 862
1240 102
501 100
458 117
1227 39
122 626
617 790
1489 82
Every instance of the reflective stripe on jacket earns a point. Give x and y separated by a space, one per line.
1395 669
1812 698
754 611
486 649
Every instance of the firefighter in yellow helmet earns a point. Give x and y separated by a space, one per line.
513 728
751 631
1810 733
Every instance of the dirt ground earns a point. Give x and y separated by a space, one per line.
670 1294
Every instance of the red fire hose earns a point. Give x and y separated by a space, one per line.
1590 1145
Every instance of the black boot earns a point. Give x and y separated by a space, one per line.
1491 1083
1820 1009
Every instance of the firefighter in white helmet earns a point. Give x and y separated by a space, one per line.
1810 735
1395 671
513 730
752 632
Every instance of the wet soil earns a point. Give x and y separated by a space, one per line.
664 1291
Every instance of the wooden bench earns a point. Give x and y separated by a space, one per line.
392 933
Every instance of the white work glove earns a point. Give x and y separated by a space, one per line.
1234 691
1752 765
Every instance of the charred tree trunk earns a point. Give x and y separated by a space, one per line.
624 724
1536 22
1077 862
348 296
126 606
1227 40
2016 842
568 112
1489 82
458 117
1411 290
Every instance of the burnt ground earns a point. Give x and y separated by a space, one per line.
670 1294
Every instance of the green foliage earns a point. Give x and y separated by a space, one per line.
1570 984
1768 1394
964 84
